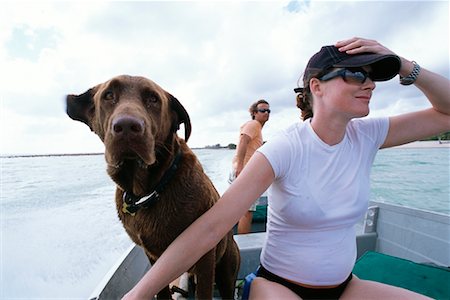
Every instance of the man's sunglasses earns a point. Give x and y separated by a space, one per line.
349 75
264 110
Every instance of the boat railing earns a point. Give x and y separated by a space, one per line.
415 234
126 273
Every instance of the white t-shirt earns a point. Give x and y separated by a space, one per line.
320 192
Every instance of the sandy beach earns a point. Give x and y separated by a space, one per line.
426 144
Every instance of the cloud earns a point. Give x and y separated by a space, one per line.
27 43
215 57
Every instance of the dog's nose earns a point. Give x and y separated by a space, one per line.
127 125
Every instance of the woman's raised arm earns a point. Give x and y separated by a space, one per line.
417 125
413 126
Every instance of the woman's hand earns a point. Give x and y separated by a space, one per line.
359 45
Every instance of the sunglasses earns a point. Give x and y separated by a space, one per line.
264 110
357 76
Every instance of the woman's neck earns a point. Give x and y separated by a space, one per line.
330 131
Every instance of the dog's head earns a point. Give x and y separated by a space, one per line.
130 115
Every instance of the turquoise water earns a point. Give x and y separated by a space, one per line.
418 178
60 233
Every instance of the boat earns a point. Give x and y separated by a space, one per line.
397 245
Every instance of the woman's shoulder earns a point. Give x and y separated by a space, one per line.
284 148
369 128
368 123
295 128
288 135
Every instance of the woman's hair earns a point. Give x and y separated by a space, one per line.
254 107
304 96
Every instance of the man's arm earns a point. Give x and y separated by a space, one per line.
244 140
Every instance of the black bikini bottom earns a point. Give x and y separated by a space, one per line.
304 292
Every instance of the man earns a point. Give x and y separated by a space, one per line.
250 139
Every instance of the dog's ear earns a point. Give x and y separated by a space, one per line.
81 107
183 117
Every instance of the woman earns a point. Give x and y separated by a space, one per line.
318 171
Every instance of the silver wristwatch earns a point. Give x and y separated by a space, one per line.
411 78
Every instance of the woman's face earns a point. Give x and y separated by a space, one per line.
345 97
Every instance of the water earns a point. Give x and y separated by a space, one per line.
60 233
418 178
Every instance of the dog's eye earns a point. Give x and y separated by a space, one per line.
108 95
149 97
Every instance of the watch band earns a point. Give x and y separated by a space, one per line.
411 78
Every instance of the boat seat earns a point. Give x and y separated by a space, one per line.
425 279
250 246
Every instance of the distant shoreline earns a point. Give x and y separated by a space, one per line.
419 144
425 144
85 154
47 155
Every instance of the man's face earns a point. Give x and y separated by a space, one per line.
262 113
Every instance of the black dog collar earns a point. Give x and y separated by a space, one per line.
131 203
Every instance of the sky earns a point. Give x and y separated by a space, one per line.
216 57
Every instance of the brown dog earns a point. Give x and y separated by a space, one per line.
161 186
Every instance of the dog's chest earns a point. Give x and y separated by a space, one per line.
155 227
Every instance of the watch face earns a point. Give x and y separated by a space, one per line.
407 80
